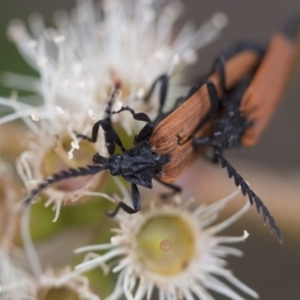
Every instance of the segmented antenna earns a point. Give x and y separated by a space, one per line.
111 100
56 177
239 181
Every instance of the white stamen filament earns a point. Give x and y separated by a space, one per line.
91 263
57 210
94 248
98 194
28 244
229 221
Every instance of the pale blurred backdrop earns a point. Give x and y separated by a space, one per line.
272 167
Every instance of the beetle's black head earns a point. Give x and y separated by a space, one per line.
138 165
229 131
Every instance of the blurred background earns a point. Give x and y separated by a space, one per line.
272 167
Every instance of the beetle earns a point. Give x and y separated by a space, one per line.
247 108
165 147
145 161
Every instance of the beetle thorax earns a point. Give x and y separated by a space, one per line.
138 165
115 164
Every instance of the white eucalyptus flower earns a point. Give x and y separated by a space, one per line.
18 284
131 42
15 283
48 153
172 250
78 63
9 215
77 288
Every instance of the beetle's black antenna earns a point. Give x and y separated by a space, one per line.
56 177
111 136
253 198
219 142
95 130
101 163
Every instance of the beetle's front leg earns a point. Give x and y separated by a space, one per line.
136 200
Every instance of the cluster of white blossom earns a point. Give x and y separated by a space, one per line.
167 251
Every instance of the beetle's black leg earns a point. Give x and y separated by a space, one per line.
195 88
174 187
137 116
144 134
100 160
253 198
205 141
56 177
213 97
214 103
219 65
136 200
236 48
201 141
213 159
146 130
111 137
124 206
96 126
94 137
212 91
164 80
